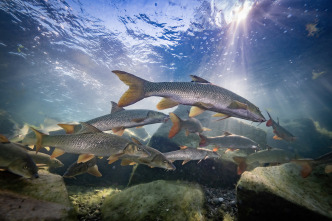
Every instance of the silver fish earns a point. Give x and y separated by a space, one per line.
229 141
189 153
16 160
190 125
88 145
156 159
280 132
120 119
201 95
269 156
81 168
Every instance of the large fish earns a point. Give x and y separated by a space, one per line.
270 156
189 153
156 159
229 141
202 96
81 168
45 159
15 159
308 164
190 125
120 119
280 132
89 145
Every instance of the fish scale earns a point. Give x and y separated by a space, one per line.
99 144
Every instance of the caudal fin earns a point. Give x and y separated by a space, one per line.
39 136
136 88
242 165
176 125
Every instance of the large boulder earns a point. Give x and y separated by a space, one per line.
280 192
45 198
213 173
158 200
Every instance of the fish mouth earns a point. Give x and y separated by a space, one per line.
171 167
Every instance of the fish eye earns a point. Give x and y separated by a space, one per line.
138 148
25 167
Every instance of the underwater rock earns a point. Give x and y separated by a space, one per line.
158 200
44 198
310 141
280 192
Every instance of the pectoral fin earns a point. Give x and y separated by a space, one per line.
206 129
194 111
112 159
118 130
166 103
85 158
57 152
125 162
183 147
94 171
185 161
238 105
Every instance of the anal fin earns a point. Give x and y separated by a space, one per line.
166 103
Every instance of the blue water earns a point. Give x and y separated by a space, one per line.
56 57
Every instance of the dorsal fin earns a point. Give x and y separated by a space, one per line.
197 79
226 133
87 129
115 108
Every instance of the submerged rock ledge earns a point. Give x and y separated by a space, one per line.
280 192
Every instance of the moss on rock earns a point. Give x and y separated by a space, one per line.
158 200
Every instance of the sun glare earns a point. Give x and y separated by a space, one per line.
242 11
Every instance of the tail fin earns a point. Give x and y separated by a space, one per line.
203 141
39 136
136 88
176 125
242 165
306 166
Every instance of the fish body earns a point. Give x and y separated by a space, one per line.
308 164
15 159
203 96
81 168
229 141
189 153
97 144
42 158
280 132
190 125
156 159
263 157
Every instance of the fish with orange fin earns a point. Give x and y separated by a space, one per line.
200 94
89 145
190 125
271 157
280 132
90 167
190 153
229 141
308 164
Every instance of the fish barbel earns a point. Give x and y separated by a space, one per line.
202 96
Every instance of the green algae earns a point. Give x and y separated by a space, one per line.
158 200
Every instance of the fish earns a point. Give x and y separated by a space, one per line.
269 156
308 164
229 141
45 159
199 94
88 145
190 125
156 159
190 153
280 132
90 167
16 160
120 119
